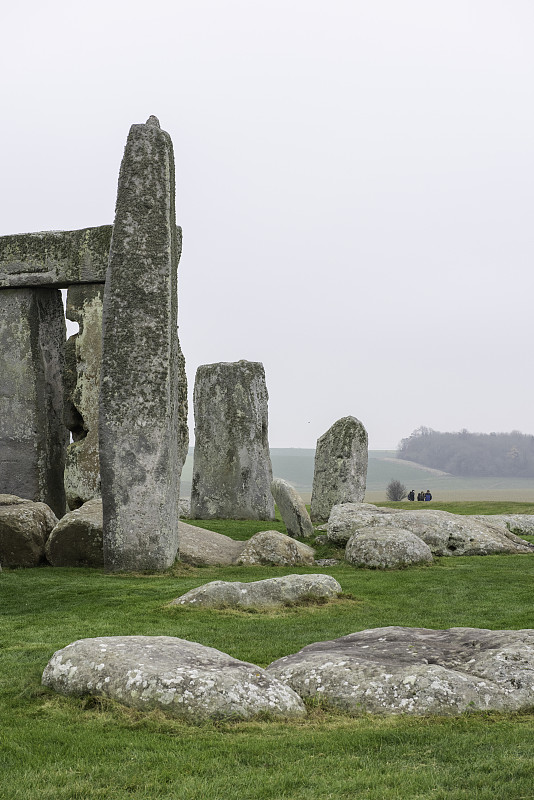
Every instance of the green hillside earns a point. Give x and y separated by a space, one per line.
296 466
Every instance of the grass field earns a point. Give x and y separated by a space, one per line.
84 749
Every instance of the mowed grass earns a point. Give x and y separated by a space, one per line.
57 747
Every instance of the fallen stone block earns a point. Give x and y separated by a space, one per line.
398 670
185 679
272 592
203 548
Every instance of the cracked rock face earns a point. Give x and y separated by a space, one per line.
416 671
271 592
446 534
382 548
184 679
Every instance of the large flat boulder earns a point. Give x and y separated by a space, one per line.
386 547
184 679
277 549
24 528
76 541
446 534
416 671
272 592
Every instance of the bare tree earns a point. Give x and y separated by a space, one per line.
396 490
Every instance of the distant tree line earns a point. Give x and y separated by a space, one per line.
471 454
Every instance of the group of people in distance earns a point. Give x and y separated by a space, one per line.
421 495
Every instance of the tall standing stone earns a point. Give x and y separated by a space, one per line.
340 474
83 356
232 470
33 437
140 391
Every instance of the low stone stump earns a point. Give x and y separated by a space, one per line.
273 547
76 541
185 679
24 528
269 593
416 671
386 548
446 534
292 509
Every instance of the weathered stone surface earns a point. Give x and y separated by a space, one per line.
83 357
141 387
54 258
204 548
272 592
232 470
520 524
446 534
184 507
340 473
272 547
292 509
76 540
33 437
24 528
416 671
184 679
387 547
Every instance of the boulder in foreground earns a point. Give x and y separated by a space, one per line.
185 679
272 592
416 671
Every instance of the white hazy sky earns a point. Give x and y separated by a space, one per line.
355 182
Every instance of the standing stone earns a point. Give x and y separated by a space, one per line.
140 384
292 509
232 470
83 356
33 437
340 472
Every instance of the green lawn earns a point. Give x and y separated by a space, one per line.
57 747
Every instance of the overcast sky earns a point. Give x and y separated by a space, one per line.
355 182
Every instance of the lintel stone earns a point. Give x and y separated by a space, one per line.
55 259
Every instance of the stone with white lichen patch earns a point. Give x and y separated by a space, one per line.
272 592
185 679
398 670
